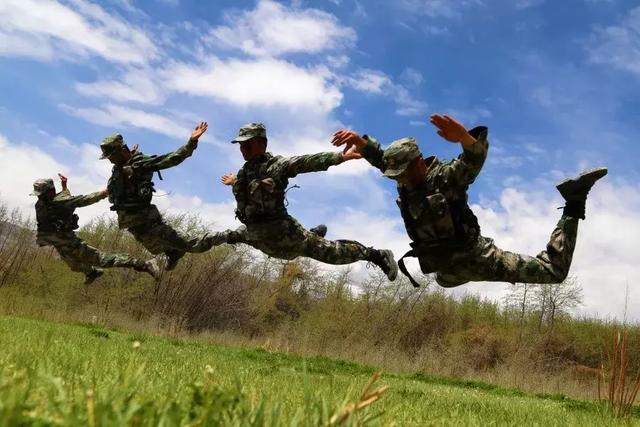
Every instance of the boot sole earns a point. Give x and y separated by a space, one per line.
585 180
393 265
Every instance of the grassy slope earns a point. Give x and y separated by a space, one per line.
162 370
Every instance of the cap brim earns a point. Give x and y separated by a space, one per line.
242 139
393 173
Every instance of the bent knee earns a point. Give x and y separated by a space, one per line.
449 280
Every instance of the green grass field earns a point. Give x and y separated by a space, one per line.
59 374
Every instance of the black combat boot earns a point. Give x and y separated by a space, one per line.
320 230
172 259
575 190
384 259
91 277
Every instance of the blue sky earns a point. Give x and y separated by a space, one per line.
557 83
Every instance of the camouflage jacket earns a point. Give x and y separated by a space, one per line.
131 185
57 215
262 182
436 213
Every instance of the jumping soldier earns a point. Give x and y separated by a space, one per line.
444 231
56 224
131 189
259 189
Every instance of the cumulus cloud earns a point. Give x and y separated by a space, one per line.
272 29
262 82
49 29
21 164
605 258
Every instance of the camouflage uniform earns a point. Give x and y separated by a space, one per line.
56 222
260 195
444 231
130 192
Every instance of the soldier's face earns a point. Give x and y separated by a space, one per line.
414 174
253 148
120 157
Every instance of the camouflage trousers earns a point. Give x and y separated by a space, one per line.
287 239
159 237
81 257
486 262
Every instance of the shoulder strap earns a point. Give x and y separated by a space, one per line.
404 270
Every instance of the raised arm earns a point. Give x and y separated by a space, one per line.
293 166
65 198
174 158
475 146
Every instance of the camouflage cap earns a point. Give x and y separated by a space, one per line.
399 155
251 130
41 186
111 144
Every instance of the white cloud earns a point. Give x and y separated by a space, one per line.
378 83
261 82
605 258
618 45
137 85
371 81
272 29
407 104
117 116
411 77
21 164
470 117
219 216
48 30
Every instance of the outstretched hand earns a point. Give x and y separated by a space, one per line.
351 153
229 179
353 143
451 129
199 130
63 181
348 138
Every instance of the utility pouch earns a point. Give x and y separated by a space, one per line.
441 216
261 195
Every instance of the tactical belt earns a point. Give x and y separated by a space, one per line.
439 247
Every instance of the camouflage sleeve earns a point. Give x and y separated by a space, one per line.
78 201
372 152
168 160
293 166
467 166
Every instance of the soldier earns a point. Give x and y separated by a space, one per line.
131 189
444 231
57 222
259 189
